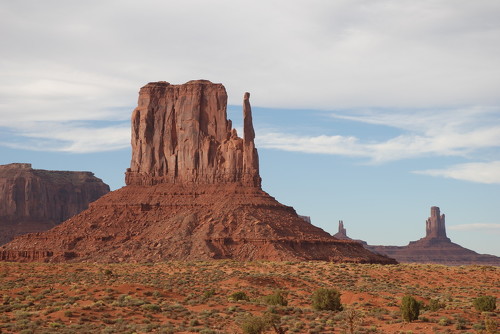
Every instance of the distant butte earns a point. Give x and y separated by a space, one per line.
193 192
435 247
35 200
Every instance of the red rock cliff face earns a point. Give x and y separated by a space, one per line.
180 134
33 200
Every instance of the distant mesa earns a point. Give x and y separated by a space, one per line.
435 247
35 200
193 192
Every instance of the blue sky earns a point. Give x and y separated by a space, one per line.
365 111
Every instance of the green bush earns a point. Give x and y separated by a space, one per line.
435 305
485 303
277 298
239 295
410 308
326 299
257 324
254 325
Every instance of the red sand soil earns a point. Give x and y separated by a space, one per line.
194 297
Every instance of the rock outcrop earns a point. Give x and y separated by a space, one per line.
342 233
34 200
180 134
435 247
193 193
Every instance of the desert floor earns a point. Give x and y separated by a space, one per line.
195 297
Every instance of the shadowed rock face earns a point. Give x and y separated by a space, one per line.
34 200
193 193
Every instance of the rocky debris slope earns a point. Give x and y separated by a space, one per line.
193 193
34 200
435 247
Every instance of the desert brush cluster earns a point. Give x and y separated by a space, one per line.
247 297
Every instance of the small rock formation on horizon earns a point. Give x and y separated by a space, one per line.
193 193
435 247
342 233
434 226
35 200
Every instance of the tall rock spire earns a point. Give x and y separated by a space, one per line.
434 226
250 157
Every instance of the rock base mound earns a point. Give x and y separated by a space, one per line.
177 222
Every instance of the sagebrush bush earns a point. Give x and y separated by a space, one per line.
277 298
410 308
485 303
254 325
435 305
239 295
326 299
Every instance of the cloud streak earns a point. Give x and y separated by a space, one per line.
481 172
438 133
475 227
70 137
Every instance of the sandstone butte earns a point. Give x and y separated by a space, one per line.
34 200
193 192
435 247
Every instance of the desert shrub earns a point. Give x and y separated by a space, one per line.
460 324
151 307
277 298
326 299
208 293
435 305
485 303
490 325
410 308
254 324
239 295
351 319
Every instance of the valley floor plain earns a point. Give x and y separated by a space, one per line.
199 297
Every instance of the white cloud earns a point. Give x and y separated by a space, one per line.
71 137
74 61
482 172
459 133
475 227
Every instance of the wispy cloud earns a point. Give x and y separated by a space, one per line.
425 133
70 137
482 172
475 227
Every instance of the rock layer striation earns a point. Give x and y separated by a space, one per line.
193 193
34 200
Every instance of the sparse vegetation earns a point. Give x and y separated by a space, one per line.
277 298
239 295
485 303
410 308
196 297
326 299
